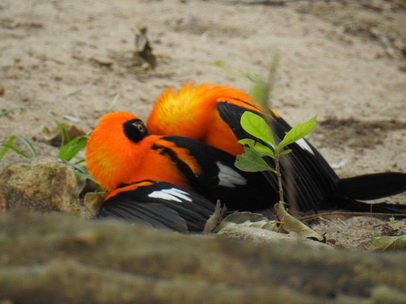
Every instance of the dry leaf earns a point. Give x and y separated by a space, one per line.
143 50
388 243
248 219
54 135
291 224
93 200
215 219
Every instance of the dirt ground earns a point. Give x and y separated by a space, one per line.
344 62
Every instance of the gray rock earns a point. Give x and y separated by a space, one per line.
43 184
56 258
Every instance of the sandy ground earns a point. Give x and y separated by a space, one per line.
342 62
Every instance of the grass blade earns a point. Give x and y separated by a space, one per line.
61 128
28 144
72 148
9 146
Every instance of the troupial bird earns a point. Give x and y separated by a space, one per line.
212 113
171 172
121 154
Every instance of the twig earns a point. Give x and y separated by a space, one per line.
318 215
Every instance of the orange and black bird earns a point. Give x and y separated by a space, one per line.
159 205
120 152
212 113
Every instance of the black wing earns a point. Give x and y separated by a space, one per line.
315 184
221 180
159 205
306 171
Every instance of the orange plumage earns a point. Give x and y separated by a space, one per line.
191 112
113 159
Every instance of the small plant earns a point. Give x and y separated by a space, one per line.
68 150
255 154
261 151
8 145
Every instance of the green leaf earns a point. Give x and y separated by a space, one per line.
247 141
258 147
285 151
298 132
80 171
72 148
263 150
257 127
251 161
79 160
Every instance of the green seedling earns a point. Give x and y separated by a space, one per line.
68 150
261 88
257 152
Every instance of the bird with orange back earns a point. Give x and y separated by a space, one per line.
192 112
212 113
147 176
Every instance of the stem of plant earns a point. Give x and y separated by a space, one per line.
279 176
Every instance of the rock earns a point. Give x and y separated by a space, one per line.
72 260
44 184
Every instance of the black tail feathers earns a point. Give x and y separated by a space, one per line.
370 187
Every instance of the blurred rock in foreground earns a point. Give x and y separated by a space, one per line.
50 258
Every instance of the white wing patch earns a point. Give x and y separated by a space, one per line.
229 177
172 194
304 145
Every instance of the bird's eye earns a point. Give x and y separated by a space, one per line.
135 130
140 127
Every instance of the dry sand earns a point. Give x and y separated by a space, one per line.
342 62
